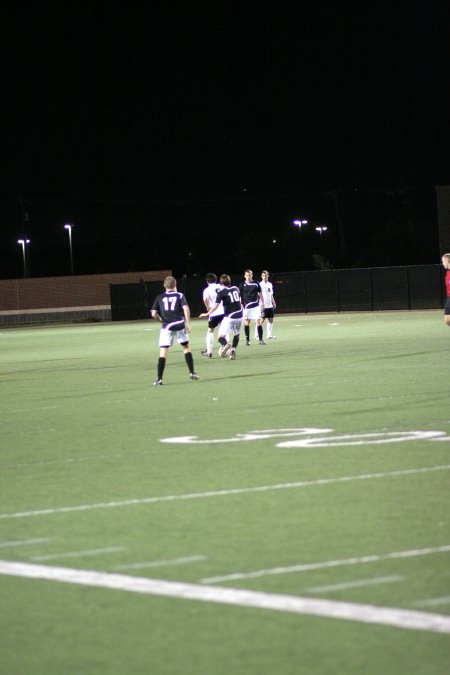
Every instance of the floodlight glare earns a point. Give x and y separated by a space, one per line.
69 229
23 243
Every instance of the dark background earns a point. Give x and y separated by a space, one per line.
189 135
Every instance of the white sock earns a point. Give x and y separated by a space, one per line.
269 330
209 342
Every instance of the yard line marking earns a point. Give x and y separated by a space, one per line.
23 542
306 567
434 602
389 616
362 583
161 563
79 554
221 493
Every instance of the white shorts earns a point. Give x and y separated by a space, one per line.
166 337
252 314
228 324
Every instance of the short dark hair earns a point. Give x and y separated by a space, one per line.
225 280
211 278
170 282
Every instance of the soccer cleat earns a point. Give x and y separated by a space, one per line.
232 354
157 383
261 342
224 350
206 353
193 376
247 343
271 337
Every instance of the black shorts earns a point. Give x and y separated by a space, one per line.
268 313
214 321
447 306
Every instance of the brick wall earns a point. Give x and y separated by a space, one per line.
70 291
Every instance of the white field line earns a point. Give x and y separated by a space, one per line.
161 563
306 567
371 614
434 602
23 542
361 583
222 493
79 554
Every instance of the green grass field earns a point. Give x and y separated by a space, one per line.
147 530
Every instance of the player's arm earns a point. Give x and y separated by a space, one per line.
187 318
155 315
210 310
260 295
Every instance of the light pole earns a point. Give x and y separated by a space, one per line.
69 229
24 243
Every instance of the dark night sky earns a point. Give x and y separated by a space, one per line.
156 128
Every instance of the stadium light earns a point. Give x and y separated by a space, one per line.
24 243
299 223
321 229
69 229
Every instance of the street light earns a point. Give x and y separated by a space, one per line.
69 229
321 229
23 243
299 223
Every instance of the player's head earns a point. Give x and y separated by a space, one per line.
248 274
264 275
225 280
446 261
170 283
210 278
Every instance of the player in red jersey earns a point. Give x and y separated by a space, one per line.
446 265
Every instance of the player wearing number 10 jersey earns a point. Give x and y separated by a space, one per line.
172 310
232 320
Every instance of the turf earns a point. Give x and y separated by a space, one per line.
87 484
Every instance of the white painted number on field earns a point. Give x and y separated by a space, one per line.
248 436
315 438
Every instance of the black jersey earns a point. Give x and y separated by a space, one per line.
169 306
231 299
250 294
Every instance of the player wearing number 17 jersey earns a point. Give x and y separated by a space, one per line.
232 320
172 310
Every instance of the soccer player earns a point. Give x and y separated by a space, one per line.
209 298
251 299
172 310
230 297
446 265
269 303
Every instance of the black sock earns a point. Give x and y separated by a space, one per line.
189 361
260 332
247 333
223 341
161 366
235 341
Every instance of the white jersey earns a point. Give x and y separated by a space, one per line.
209 298
267 293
